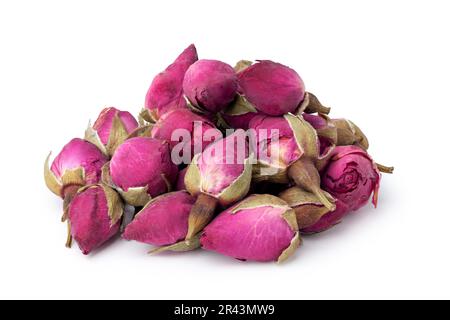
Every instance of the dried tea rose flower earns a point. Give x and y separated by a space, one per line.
351 176
111 129
289 155
198 130
219 175
259 228
94 216
166 91
78 164
271 88
163 221
141 168
210 85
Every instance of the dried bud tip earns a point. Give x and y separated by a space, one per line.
385 169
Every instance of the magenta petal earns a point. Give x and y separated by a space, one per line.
166 91
258 234
272 88
89 220
164 221
141 162
184 119
210 85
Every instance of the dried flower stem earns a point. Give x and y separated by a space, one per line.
385 169
69 235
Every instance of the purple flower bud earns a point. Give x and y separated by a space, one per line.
259 228
163 221
142 166
272 88
210 85
166 91
94 216
79 163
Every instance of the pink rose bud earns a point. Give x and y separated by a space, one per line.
180 180
196 128
166 91
94 216
78 164
351 176
163 221
271 88
111 129
326 131
328 220
141 168
219 175
259 228
210 85
288 148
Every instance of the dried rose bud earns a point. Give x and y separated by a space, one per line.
186 120
180 180
259 228
326 131
210 85
290 155
111 129
349 134
328 220
140 169
94 216
271 88
307 206
239 114
166 91
163 221
351 176
219 175
312 105
78 164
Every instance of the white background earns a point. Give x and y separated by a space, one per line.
383 64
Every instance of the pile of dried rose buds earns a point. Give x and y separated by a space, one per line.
240 161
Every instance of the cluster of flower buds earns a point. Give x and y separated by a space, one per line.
241 161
